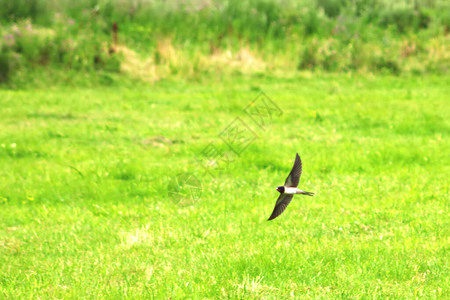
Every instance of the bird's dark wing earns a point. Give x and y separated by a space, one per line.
294 177
282 202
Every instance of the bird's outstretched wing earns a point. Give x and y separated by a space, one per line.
282 202
294 177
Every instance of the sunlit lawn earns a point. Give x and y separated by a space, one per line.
86 182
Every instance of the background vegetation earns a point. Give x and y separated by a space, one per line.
95 128
158 39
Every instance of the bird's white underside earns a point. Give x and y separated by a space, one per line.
291 190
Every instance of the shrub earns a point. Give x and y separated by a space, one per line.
385 64
358 55
4 67
308 57
36 46
21 9
332 8
314 23
405 19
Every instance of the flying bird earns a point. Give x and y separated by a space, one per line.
289 189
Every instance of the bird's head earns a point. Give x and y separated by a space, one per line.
280 189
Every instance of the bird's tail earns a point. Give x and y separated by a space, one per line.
306 193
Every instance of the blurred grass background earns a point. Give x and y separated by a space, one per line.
95 126
74 41
85 208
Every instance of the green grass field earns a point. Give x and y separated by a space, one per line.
86 209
